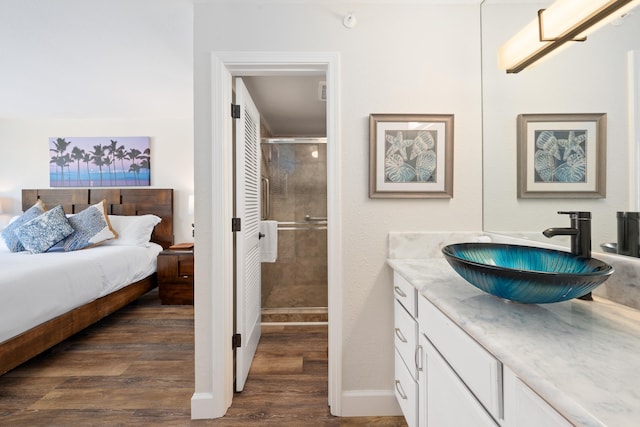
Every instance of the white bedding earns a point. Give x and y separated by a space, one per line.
35 288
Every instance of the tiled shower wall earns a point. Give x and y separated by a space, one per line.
297 173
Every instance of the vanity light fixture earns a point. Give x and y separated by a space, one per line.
562 22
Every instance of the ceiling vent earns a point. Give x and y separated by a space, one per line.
322 91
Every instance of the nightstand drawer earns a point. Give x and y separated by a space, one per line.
175 277
185 266
176 268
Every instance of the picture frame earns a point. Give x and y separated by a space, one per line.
411 155
562 155
96 161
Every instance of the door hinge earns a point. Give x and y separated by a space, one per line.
236 341
235 111
235 224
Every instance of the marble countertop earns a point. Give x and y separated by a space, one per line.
582 357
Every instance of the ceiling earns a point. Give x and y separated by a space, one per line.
289 105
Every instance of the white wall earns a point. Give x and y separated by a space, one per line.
99 68
400 58
589 77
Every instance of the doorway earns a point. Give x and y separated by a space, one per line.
293 168
214 310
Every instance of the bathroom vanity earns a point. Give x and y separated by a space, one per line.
464 357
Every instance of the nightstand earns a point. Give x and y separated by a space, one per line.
175 276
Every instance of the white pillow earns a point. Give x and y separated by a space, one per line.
132 230
3 245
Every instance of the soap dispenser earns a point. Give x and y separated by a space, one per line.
628 233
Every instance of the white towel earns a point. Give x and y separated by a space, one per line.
269 243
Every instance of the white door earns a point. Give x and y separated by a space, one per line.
248 305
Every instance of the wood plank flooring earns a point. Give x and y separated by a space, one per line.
135 368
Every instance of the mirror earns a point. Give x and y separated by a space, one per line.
595 76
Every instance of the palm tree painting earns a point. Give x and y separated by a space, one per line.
560 156
99 161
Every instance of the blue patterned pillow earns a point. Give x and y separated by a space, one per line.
41 233
9 233
90 228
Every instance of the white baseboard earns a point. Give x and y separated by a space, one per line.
203 406
369 403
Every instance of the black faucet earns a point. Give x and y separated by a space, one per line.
580 232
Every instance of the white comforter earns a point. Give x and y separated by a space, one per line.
35 288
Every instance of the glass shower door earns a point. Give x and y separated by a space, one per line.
294 288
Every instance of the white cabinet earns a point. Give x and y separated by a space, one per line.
406 343
405 293
524 408
443 377
480 371
449 402
406 336
429 391
406 389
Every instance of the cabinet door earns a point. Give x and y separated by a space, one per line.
478 369
524 408
449 401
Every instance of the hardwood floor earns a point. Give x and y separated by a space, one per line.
136 368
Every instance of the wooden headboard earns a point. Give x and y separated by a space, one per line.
119 201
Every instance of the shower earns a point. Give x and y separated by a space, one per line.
294 193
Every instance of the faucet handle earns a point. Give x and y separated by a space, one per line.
576 214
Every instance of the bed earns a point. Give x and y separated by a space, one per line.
54 313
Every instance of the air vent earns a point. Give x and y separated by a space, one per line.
322 91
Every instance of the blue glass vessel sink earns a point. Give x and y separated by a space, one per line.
526 274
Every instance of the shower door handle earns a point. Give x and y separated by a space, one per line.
266 191
310 218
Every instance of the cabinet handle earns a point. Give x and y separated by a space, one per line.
399 291
418 358
400 335
400 390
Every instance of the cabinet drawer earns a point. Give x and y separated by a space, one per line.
405 293
406 389
477 368
405 337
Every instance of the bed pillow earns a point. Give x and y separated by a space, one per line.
132 230
44 231
91 227
9 233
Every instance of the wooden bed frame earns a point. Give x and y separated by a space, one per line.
23 347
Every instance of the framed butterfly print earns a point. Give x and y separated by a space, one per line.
562 155
411 156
